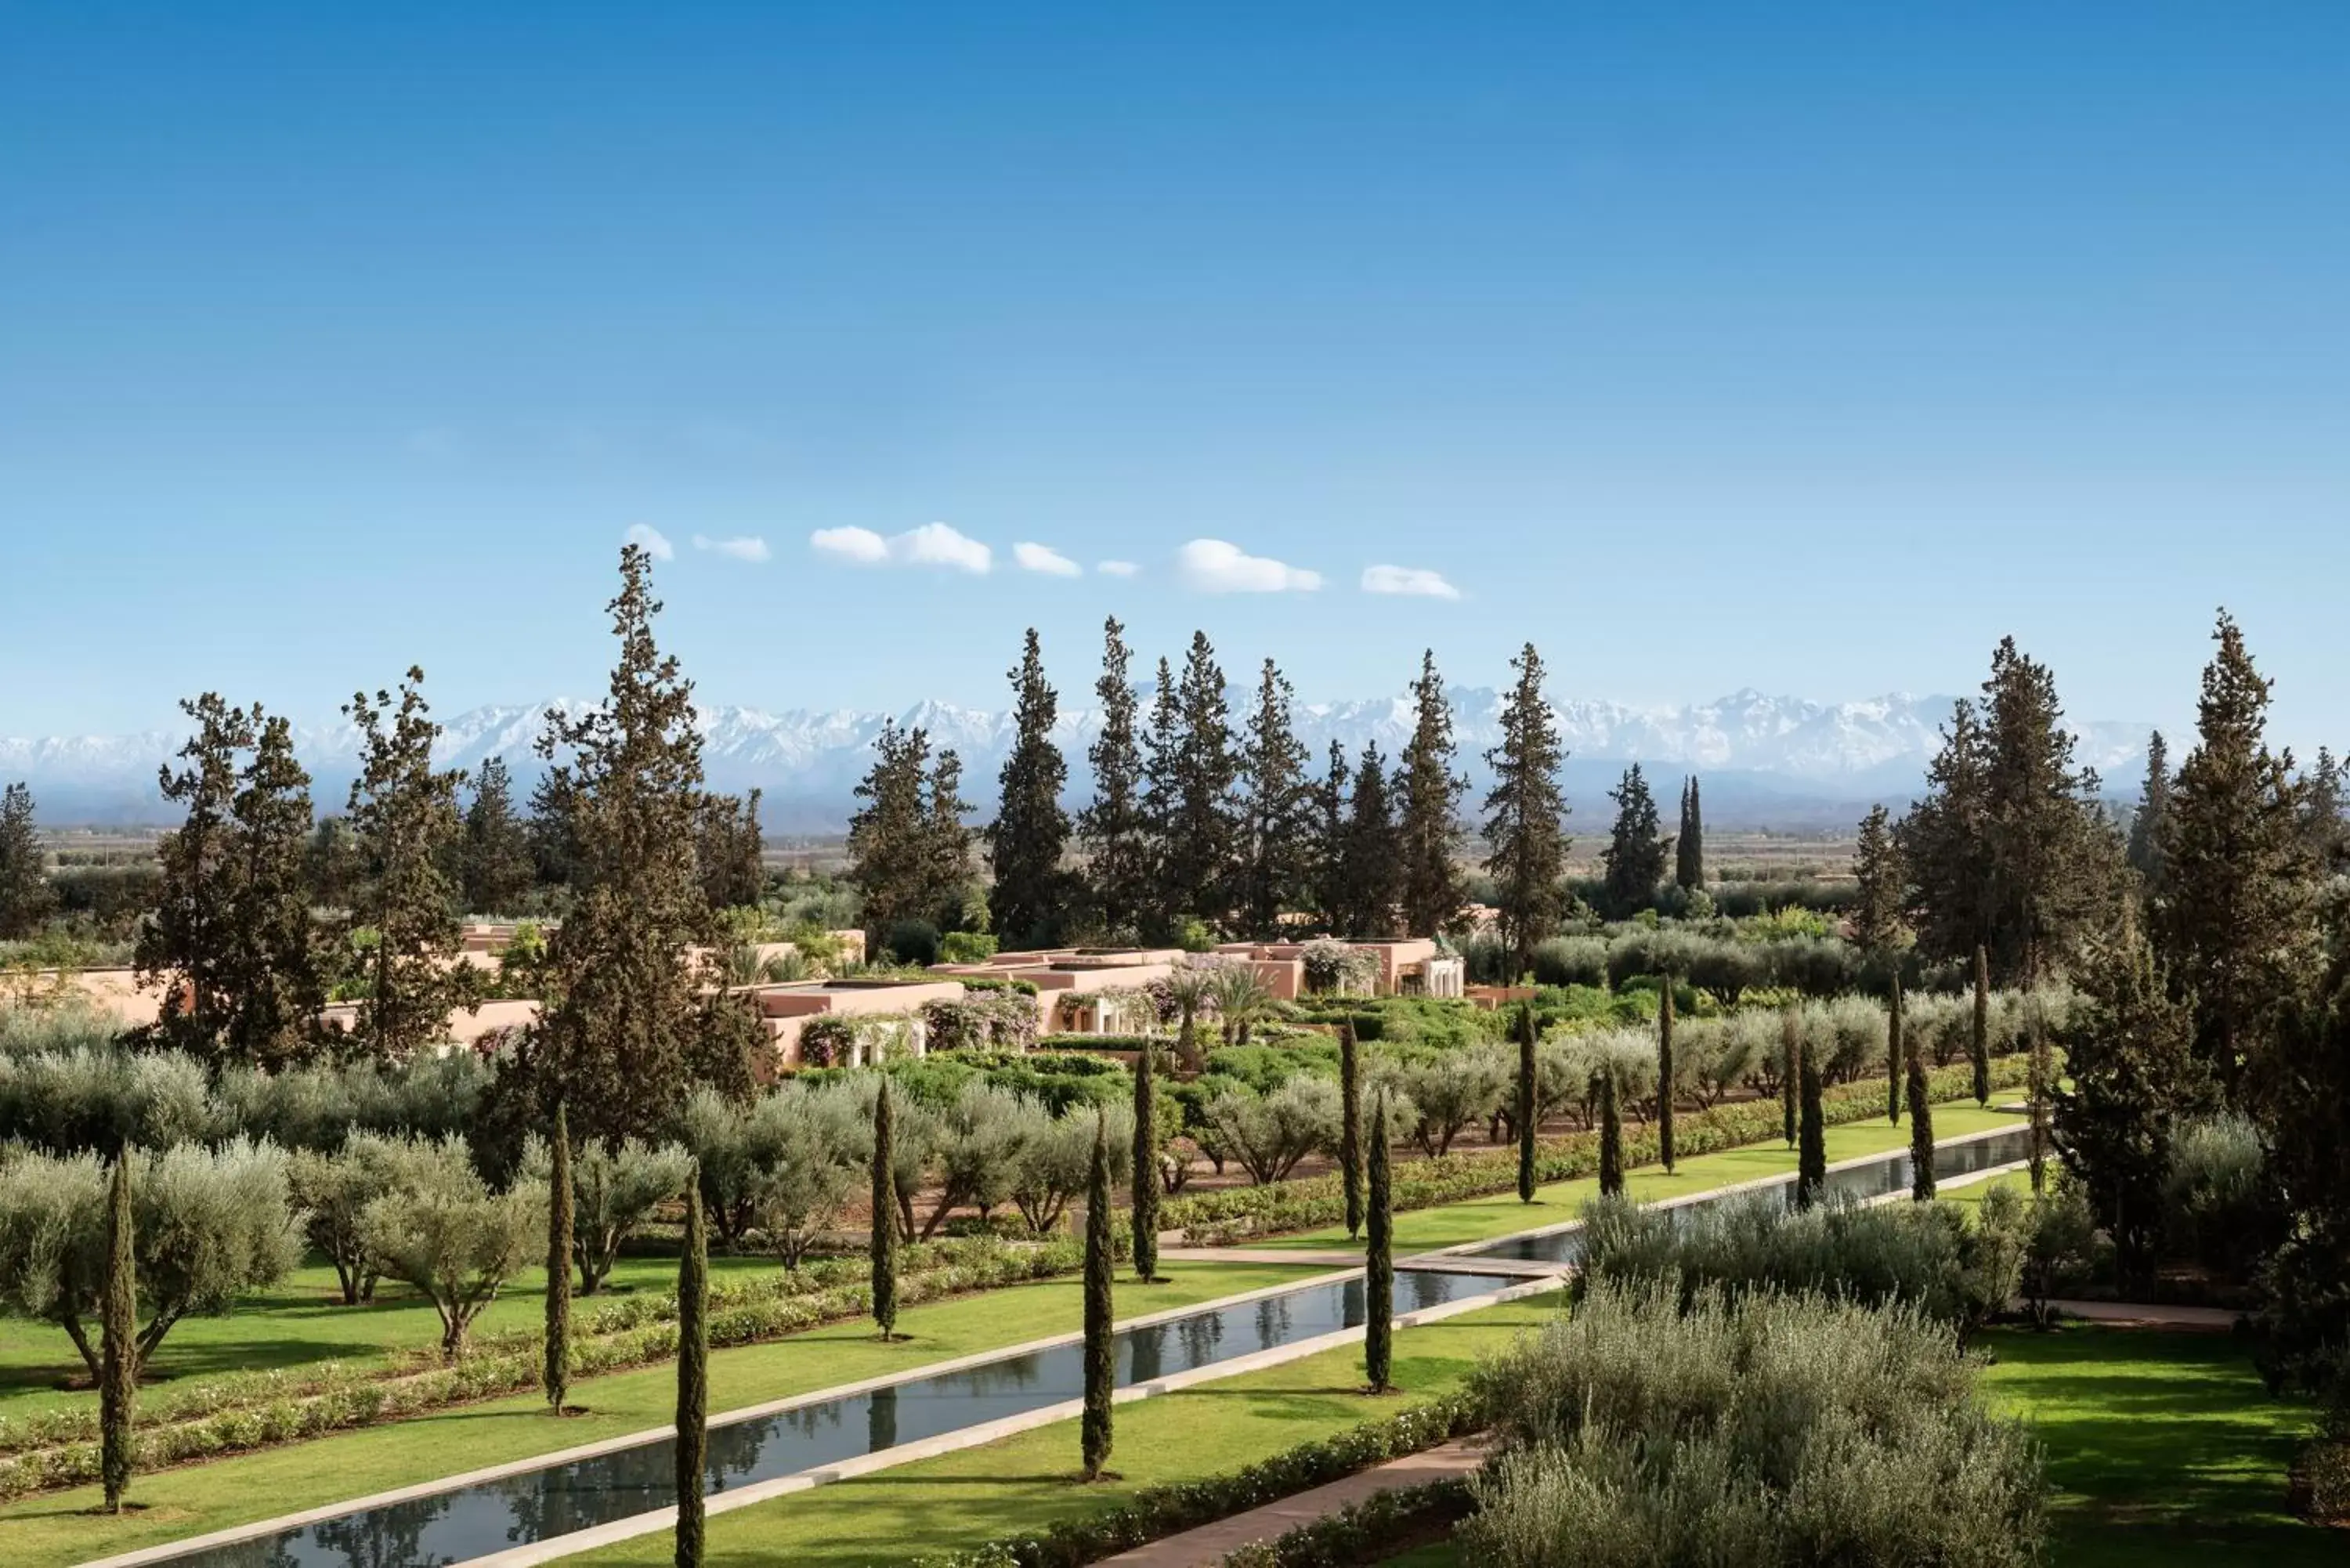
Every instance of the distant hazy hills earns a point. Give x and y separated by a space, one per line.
1766 762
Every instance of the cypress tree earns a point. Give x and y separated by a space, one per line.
1523 815
1370 861
1101 1353
885 1218
1812 1153
1881 884
1194 769
889 841
271 969
1526 1103
1893 1056
555 1378
1327 801
1665 1074
1350 1124
1979 1033
188 945
1428 807
1611 1138
1921 1130
1379 1320
1146 1164
1791 1069
693 1377
496 871
2041 1079
2151 821
118 1389
1688 849
1031 829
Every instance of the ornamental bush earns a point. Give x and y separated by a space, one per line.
1771 1428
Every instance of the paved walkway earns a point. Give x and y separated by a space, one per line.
1211 1543
2140 1314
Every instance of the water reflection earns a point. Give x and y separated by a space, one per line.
564 1497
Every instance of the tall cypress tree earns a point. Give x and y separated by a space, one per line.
891 857
1811 1139
1688 846
692 1378
883 1245
118 1384
1634 861
728 847
1276 842
2235 921
1101 1351
1979 1030
1350 1124
1893 1056
2149 824
1112 828
495 864
630 1029
1146 1163
948 886
1524 814
1791 1069
1528 1103
1429 795
1030 830
1664 1072
1378 1314
1921 1128
2043 1079
554 1377
1611 1136
404 824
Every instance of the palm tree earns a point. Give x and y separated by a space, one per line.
1194 993
1241 998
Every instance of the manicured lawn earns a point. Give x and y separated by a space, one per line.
1482 1219
300 1322
1029 1482
55 1527
2164 1449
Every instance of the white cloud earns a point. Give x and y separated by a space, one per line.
1213 567
1051 561
656 543
862 545
1117 568
1415 581
936 544
747 547
932 545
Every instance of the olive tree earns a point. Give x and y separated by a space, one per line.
1057 1160
806 1151
211 1224
1269 1134
1452 1091
614 1191
450 1234
334 1192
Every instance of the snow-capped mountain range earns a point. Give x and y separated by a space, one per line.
1765 761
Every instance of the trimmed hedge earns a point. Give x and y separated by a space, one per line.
1163 1510
1219 1219
59 1448
1365 1532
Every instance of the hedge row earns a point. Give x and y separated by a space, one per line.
1365 1532
1219 1219
1163 1510
269 1409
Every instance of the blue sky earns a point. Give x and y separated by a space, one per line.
1807 347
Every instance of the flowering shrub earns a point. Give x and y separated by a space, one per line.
826 1041
1002 1021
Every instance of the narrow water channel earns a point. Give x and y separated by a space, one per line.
1858 1183
474 1522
